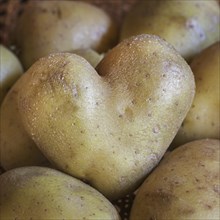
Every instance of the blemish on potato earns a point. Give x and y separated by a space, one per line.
156 129
186 210
197 180
201 187
207 206
216 189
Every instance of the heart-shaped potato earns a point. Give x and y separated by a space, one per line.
109 127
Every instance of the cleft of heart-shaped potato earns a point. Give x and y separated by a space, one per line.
109 126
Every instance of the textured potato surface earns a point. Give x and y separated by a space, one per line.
109 127
17 148
190 26
203 119
185 185
44 193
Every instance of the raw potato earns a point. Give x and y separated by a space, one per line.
203 119
190 26
109 129
44 193
10 70
54 26
17 148
90 55
184 186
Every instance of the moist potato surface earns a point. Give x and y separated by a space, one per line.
112 127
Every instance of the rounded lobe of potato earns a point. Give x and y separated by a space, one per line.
184 186
190 26
17 148
112 127
11 70
44 193
203 119
56 26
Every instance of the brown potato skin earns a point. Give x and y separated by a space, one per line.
190 26
57 26
185 185
107 127
203 118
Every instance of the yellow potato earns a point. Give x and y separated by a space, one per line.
112 127
203 119
10 70
44 194
90 55
55 26
17 148
185 185
190 26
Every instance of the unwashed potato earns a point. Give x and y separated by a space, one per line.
90 55
203 119
190 26
184 186
44 193
112 127
54 26
17 148
10 70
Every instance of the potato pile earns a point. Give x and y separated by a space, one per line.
95 117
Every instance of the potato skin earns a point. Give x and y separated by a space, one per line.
108 128
90 55
185 185
17 148
203 119
44 193
190 26
55 26
11 70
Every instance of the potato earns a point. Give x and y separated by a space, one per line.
11 70
112 127
203 119
44 193
17 148
190 26
90 55
55 26
185 185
